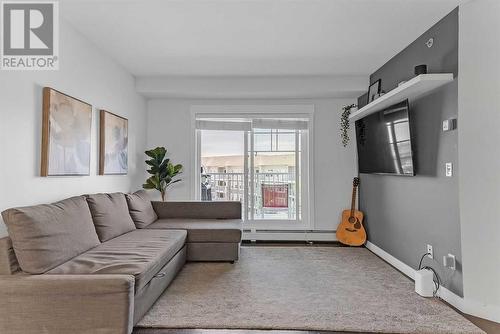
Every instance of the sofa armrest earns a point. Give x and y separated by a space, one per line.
66 304
198 210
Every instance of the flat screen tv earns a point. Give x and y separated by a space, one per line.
384 142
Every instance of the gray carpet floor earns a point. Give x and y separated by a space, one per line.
301 288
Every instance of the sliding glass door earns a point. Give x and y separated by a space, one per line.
223 165
260 162
274 174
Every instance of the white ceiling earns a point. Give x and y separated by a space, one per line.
253 37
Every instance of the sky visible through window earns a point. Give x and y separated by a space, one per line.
221 143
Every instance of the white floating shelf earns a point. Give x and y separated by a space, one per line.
418 86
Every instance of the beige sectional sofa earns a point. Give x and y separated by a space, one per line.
97 263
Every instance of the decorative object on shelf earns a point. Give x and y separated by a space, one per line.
66 133
373 90
363 100
113 144
379 95
420 69
344 122
162 170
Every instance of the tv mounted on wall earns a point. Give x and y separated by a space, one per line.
384 142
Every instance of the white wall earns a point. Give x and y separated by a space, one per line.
479 157
169 125
89 75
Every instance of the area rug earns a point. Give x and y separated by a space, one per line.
301 288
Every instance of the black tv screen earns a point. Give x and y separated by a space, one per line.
384 142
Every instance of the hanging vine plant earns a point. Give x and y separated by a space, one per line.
344 123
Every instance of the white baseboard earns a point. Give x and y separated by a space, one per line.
403 267
467 306
290 236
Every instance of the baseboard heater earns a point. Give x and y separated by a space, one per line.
288 235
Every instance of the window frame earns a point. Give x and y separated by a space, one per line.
306 193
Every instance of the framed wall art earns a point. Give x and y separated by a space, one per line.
373 90
113 144
66 135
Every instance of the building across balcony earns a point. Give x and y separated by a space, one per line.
274 183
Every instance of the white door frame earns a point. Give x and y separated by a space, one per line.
261 111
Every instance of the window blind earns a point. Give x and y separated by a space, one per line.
283 124
223 125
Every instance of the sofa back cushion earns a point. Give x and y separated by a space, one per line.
110 215
45 236
140 208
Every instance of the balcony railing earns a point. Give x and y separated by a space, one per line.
274 193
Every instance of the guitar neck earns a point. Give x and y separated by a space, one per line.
353 200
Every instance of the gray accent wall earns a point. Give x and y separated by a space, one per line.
404 214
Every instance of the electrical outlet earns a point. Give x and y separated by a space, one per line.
430 252
449 124
449 169
449 261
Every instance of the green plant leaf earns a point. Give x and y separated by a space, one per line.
164 163
175 181
178 168
148 186
161 169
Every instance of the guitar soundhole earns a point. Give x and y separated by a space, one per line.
355 223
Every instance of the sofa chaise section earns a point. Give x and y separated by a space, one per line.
214 229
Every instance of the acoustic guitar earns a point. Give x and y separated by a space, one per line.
350 230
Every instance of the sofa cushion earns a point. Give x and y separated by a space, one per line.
110 215
45 236
140 209
203 230
141 253
198 209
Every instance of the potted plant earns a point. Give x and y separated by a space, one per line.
162 171
344 123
